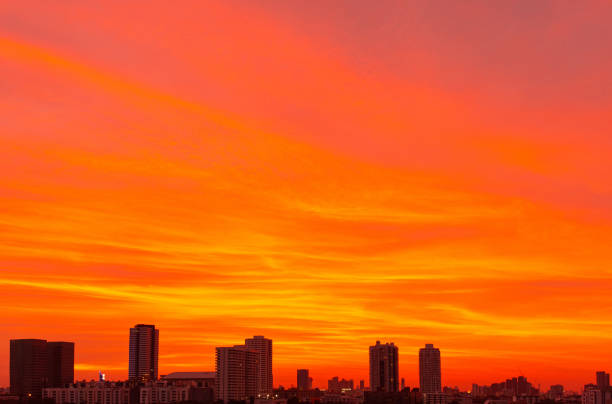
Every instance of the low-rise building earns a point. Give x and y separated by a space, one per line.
163 392
346 397
89 393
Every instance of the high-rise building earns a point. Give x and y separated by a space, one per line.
36 364
592 394
429 370
60 361
144 352
264 366
384 367
28 367
236 373
603 380
303 380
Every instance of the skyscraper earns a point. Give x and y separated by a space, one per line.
264 367
236 373
36 364
384 367
60 363
603 380
144 350
28 367
303 380
429 370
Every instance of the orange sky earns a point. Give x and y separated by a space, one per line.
323 175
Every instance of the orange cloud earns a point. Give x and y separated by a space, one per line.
234 171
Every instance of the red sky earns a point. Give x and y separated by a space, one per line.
326 175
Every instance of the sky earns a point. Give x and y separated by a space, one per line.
326 174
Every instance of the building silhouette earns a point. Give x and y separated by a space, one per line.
236 373
592 394
337 385
60 363
144 352
429 370
264 364
555 392
93 392
384 367
603 380
36 364
28 367
304 382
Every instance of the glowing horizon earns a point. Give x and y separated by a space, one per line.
325 177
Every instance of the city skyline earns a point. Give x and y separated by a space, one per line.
56 364
324 173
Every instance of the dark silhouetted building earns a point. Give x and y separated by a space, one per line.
60 363
429 370
304 382
28 367
592 394
555 392
603 380
236 373
36 364
335 385
384 367
144 352
264 363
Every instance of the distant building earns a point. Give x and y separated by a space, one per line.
384 367
555 392
236 373
161 392
603 380
194 379
523 387
304 382
158 392
429 370
28 367
264 364
345 397
60 363
90 393
144 353
335 385
435 398
592 394
36 364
